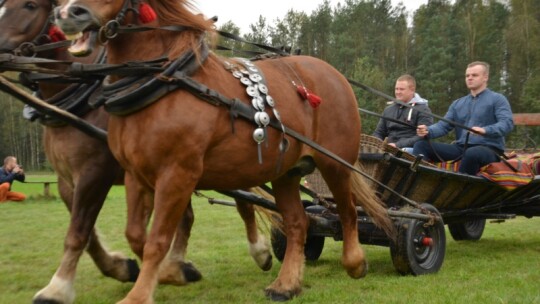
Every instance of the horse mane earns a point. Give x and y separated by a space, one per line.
180 12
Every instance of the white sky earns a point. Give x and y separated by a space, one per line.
246 12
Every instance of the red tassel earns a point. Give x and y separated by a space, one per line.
56 34
146 13
314 100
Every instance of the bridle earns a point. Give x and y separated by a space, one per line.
42 42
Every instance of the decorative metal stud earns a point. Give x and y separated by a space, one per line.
263 88
262 119
255 77
270 101
237 74
245 81
252 91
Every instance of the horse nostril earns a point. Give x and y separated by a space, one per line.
78 11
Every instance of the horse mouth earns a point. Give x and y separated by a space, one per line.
83 43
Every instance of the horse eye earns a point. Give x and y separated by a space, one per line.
30 5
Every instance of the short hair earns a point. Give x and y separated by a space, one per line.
482 63
7 159
410 79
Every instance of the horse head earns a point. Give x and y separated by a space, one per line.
83 21
89 22
23 21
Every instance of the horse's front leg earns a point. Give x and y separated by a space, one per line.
172 195
259 248
174 269
289 281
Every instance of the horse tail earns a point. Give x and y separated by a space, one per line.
265 215
365 197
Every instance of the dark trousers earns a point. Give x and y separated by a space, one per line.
473 158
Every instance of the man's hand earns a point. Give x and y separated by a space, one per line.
17 170
479 130
393 145
422 130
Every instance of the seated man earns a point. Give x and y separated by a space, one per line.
484 111
8 173
399 135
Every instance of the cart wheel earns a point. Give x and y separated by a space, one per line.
418 249
312 248
467 231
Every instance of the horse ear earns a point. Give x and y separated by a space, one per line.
146 13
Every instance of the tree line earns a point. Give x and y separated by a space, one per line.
374 42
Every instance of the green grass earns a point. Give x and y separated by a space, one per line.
503 267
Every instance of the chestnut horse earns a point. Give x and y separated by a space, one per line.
86 171
181 143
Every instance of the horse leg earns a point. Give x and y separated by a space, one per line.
353 257
174 270
258 245
84 203
170 202
289 281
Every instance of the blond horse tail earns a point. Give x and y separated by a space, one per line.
365 197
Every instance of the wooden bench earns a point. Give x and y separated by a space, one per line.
46 186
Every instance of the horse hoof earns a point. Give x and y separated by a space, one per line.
278 296
45 301
267 264
133 270
191 274
359 272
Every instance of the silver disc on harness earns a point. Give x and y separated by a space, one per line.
253 69
244 71
237 74
255 77
276 113
258 135
262 119
270 101
263 88
252 91
245 81
256 103
248 63
260 103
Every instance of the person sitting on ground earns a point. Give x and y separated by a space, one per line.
486 112
399 135
8 173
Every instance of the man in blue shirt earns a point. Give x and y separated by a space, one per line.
484 111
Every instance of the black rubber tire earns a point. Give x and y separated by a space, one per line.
409 255
471 230
312 248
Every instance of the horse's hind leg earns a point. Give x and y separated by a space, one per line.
289 280
338 179
258 245
84 205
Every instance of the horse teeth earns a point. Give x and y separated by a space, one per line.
74 36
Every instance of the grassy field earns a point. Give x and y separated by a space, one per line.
503 267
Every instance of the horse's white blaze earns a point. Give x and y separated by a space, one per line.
260 250
2 12
58 289
64 11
